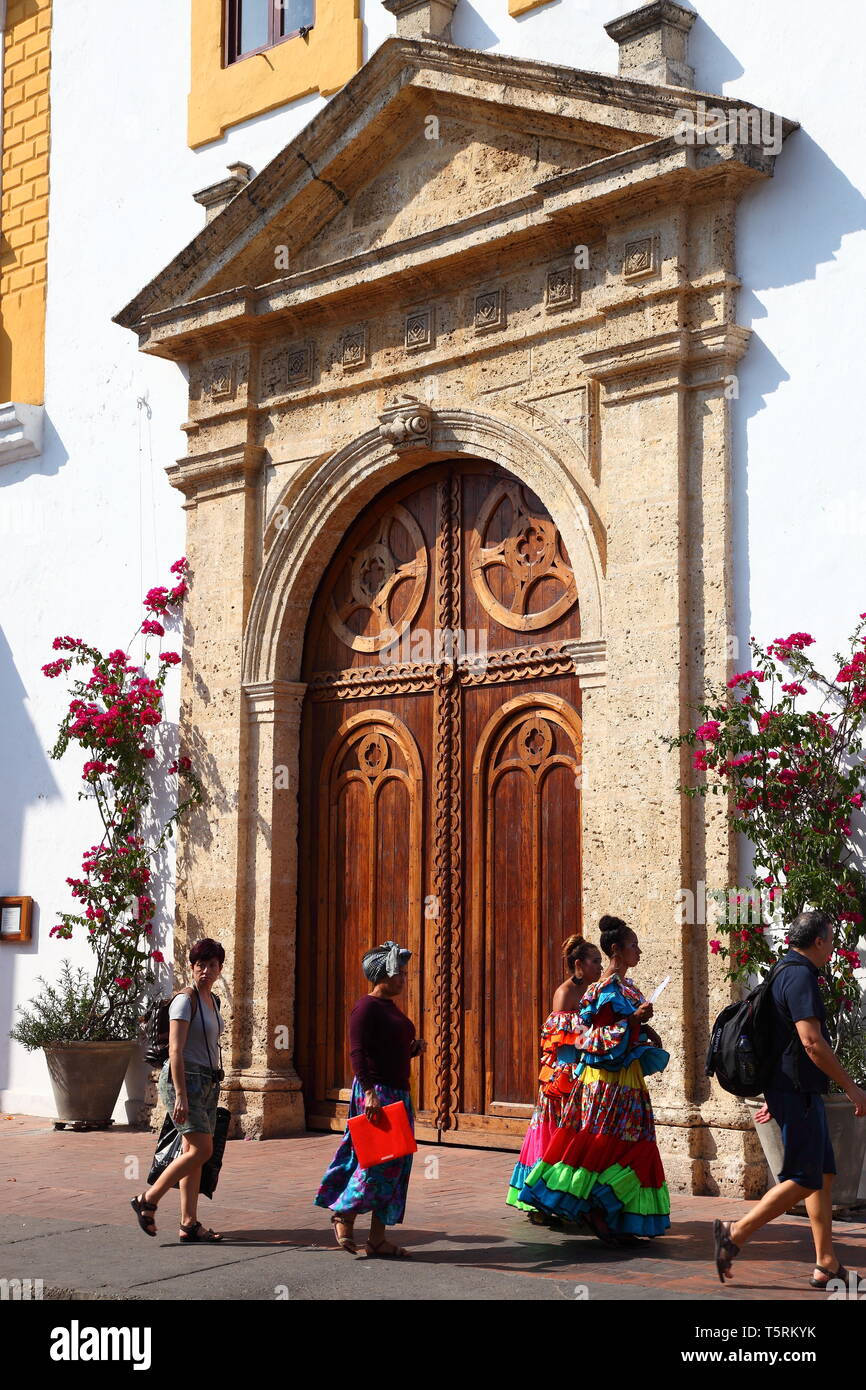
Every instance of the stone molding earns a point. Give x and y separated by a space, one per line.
620 111
654 43
217 473
268 701
21 429
423 19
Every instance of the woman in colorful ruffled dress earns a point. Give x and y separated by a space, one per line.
559 1038
603 1164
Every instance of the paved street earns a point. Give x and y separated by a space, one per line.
65 1219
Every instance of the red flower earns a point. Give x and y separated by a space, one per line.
709 732
744 678
152 626
794 688
715 947
157 956
124 981
169 658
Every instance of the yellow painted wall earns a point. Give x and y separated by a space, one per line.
220 96
521 6
24 212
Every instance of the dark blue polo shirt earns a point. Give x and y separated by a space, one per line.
796 995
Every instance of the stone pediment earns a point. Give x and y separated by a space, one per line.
431 153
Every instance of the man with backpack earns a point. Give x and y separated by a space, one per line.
801 1066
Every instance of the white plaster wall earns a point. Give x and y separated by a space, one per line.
89 526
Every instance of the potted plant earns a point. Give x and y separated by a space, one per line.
88 1026
794 777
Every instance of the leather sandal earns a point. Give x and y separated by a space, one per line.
141 1207
344 1242
195 1233
724 1249
386 1250
838 1273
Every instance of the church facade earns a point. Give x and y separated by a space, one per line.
460 502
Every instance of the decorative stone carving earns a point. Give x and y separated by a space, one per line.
299 365
489 311
219 380
355 349
406 423
286 368
641 258
419 330
560 291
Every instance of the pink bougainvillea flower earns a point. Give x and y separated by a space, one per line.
157 956
152 626
123 981
715 947
744 677
709 732
169 658
794 688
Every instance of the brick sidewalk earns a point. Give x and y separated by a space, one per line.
456 1215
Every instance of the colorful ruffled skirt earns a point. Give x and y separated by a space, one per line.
546 1119
382 1190
604 1157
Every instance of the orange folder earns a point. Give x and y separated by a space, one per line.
389 1138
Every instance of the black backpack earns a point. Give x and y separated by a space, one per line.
741 1055
157 1024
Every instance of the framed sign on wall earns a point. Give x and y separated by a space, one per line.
15 916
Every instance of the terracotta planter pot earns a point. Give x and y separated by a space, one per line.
86 1078
847 1135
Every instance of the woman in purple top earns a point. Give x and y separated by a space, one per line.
382 1041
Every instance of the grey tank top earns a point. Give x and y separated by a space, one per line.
195 1052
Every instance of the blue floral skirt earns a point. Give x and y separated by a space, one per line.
382 1190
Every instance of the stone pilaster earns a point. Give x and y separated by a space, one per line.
264 1088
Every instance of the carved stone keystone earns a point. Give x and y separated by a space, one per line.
654 43
406 424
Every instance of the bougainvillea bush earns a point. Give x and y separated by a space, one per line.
785 744
112 717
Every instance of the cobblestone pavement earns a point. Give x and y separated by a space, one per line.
65 1219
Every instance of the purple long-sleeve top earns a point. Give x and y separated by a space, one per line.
380 1042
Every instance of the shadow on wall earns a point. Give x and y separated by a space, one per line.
27 780
786 229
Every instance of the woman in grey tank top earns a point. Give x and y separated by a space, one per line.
189 1086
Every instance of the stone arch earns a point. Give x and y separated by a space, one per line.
322 501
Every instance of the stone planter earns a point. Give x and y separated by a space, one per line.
86 1078
847 1135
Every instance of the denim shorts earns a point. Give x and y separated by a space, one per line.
202 1093
802 1119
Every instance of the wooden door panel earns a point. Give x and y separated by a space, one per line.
439 801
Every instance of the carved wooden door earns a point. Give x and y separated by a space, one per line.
441 753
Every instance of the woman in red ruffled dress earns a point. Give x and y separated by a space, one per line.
559 1038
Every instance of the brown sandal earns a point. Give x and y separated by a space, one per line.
393 1252
344 1242
140 1207
195 1232
724 1249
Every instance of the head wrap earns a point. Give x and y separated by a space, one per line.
384 960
